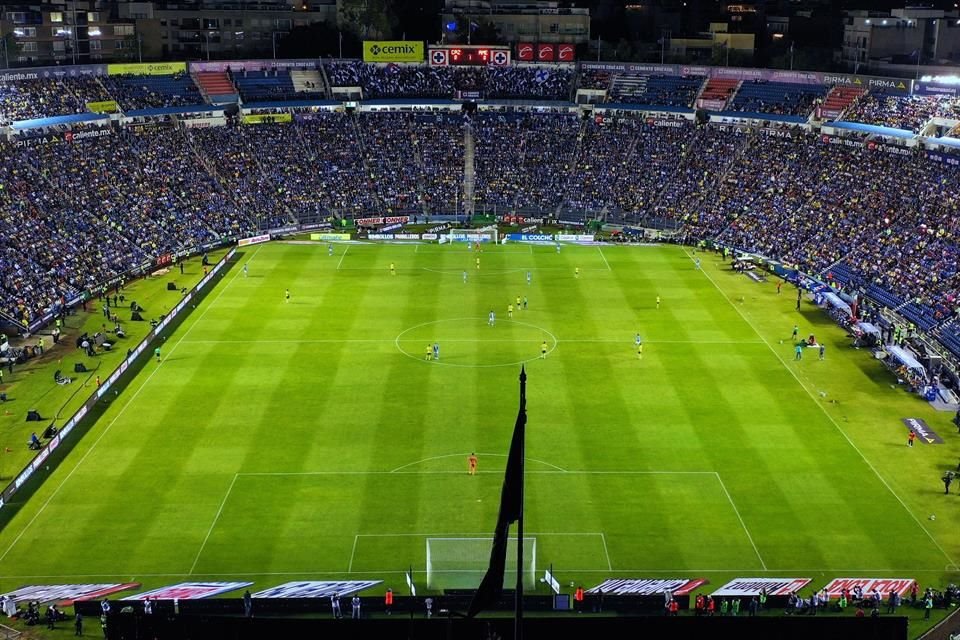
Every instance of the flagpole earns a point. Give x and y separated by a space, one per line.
518 602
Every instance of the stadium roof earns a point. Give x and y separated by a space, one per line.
291 104
874 129
165 111
59 120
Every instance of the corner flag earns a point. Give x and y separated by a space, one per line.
511 510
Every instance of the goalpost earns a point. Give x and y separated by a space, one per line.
460 563
486 234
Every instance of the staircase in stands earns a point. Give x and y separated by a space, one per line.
216 87
717 93
837 101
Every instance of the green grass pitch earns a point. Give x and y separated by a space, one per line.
311 439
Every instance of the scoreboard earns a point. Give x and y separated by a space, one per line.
468 55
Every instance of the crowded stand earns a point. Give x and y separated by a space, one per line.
901 112
396 81
32 99
540 82
522 160
76 213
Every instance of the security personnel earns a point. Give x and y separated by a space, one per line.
388 601
578 599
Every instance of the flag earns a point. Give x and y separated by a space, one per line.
511 510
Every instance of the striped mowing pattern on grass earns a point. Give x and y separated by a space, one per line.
315 438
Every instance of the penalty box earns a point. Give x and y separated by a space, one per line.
380 521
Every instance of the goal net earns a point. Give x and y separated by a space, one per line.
460 563
487 234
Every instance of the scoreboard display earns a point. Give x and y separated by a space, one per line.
469 55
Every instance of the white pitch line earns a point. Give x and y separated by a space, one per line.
606 551
478 340
342 257
742 523
451 473
483 535
830 418
214 523
121 412
464 455
604 259
353 551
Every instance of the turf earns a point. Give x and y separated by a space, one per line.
311 439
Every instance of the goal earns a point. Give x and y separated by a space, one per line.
486 234
460 563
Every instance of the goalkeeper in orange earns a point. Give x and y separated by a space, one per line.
472 464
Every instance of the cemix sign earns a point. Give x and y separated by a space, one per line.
392 51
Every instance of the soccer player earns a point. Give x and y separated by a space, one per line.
329 249
156 352
245 269
510 310
524 302
796 332
637 339
576 272
911 438
518 303
528 278
436 350
464 277
393 269
658 302
472 464
798 351
697 262
478 263
639 350
491 318
429 355
286 295
558 247
543 350
823 348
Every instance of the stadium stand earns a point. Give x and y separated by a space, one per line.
675 91
902 112
776 97
264 86
147 92
78 212
719 91
838 99
216 86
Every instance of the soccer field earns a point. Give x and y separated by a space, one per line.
311 438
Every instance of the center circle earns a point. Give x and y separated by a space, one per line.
473 342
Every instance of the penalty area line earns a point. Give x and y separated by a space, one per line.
604 259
